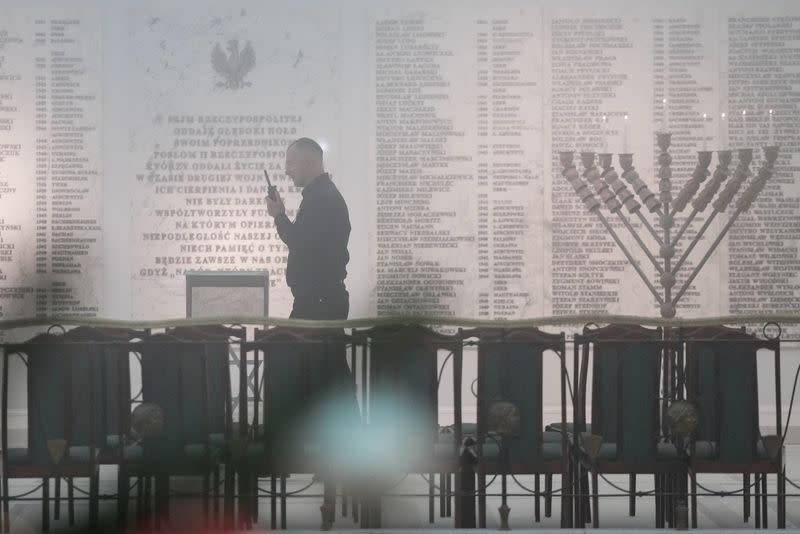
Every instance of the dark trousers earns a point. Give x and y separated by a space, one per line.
340 387
330 304
321 305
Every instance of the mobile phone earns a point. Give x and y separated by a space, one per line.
272 191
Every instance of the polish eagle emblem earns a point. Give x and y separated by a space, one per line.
233 66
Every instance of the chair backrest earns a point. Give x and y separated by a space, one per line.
112 394
53 411
218 340
626 366
175 377
722 381
403 381
302 373
510 365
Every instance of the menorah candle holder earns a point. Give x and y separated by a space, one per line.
605 189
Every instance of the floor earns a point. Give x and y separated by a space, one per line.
411 513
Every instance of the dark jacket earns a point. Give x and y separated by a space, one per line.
317 240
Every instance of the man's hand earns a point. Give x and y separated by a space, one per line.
275 207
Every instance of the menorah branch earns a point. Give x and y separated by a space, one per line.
698 236
633 262
638 239
703 261
721 203
593 205
615 194
650 228
686 224
742 204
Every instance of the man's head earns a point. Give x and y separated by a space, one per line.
304 161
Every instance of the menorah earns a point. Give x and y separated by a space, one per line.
613 194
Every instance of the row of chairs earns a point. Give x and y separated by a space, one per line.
311 414
675 404
79 413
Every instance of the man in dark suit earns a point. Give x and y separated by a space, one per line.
317 239
315 272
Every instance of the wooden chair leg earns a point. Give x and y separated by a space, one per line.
674 490
459 506
679 491
587 506
283 502
757 498
595 500
548 495
46 505
228 499
57 498
148 496
122 497
577 518
684 489
580 499
657 492
746 496
567 498
431 498
139 502
254 499
215 494
6 514
205 498
94 501
632 496
782 498
442 496
481 499
566 504
165 498
694 499
158 502
273 502
449 504
162 501
243 515
668 506
155 507
764 508
70 502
